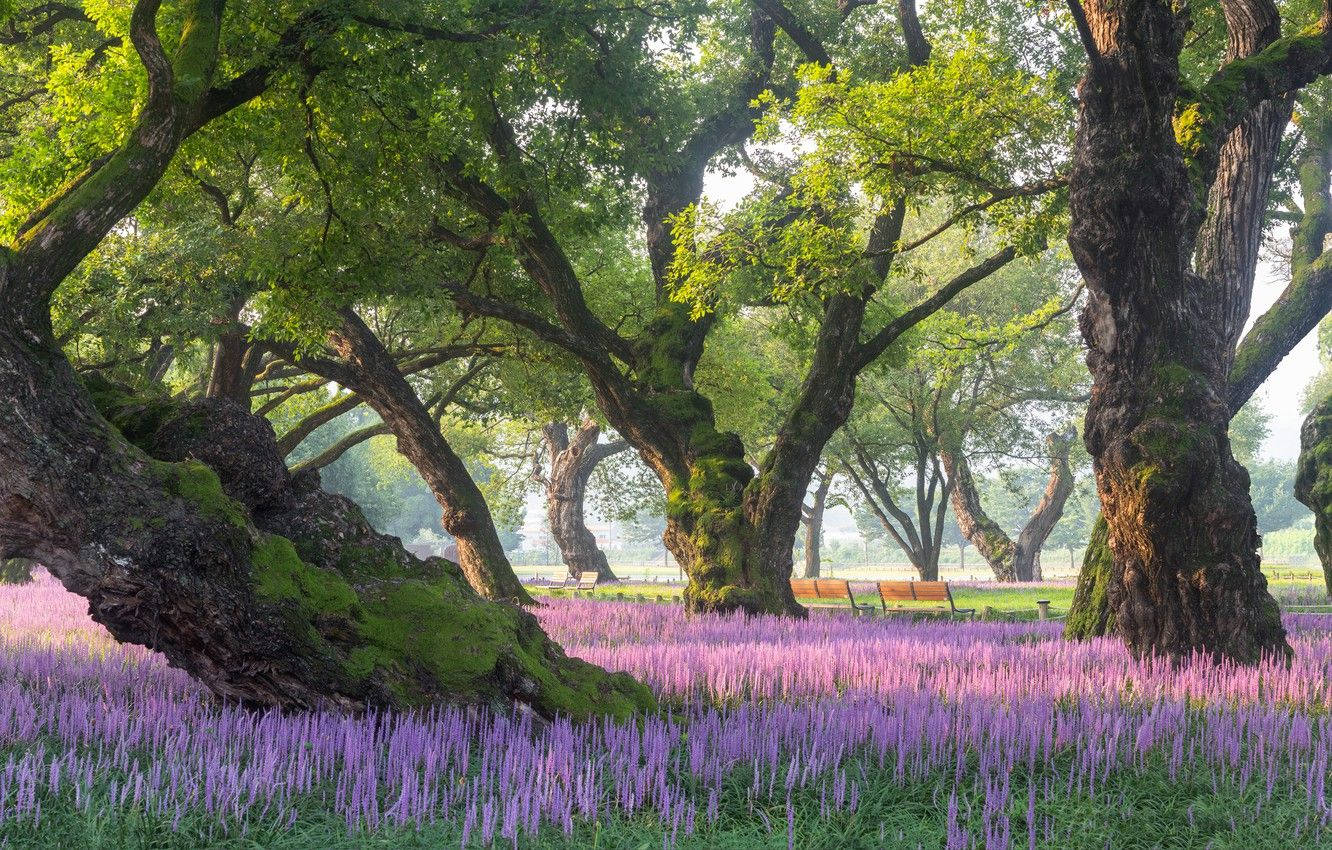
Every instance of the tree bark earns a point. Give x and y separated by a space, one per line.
1227 253
571 464
1186 575
1313 480
813 520
367 368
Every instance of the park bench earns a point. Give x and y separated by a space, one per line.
587 581
827 588
920 591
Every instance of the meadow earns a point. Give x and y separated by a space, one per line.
835 732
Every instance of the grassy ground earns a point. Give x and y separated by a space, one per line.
1304 589
1143 808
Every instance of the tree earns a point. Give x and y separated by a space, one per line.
812 517
983 386
1165 167
1012 560
179 522
572 461
801 240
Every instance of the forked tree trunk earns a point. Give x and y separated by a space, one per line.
813 520
1012 560
1186 576
367 368
572 461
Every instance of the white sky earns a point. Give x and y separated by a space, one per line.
1282 392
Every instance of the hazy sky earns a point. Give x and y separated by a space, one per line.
1281 395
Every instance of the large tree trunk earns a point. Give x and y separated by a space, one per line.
571 464
813 520
198 544
1186 576
366 367
1313 480
1227 254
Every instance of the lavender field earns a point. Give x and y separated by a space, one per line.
829 733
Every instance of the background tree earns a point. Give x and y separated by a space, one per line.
933 130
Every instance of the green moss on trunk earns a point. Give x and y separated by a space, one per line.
1090 614
1313 480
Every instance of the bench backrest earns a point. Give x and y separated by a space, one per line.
933 591
587 581
896 591
820 588
917 591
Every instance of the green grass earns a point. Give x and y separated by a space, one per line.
1015 602
1136 809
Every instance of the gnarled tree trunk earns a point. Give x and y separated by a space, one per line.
180 524
572 461
1186 576
1229 241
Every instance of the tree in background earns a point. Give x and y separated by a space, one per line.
934 132
987 382
571 461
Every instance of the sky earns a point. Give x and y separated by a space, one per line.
1281 394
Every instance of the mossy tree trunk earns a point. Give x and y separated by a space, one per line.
1012 560
193 539
812 517
1313 480
367 368
1228 249
1090 614
571 463
1180 523
15 571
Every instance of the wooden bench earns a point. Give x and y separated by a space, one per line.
587 581
827 588
920 591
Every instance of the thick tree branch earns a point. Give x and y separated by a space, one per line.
333 453
877 344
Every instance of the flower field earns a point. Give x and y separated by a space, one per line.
828 733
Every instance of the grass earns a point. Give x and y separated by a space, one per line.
1144 808
1006 602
